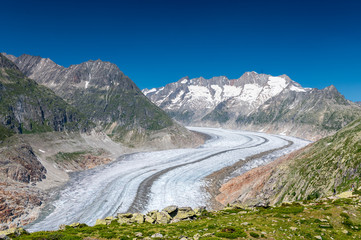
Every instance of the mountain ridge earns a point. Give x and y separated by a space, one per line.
258 102
112 101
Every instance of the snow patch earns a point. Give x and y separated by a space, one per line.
178 97
42 151
277 84
297 89
200 92
184 81
86 84
231 91
250 92
145 92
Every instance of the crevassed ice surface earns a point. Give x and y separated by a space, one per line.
176 177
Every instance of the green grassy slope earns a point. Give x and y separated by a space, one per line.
332 163
325 219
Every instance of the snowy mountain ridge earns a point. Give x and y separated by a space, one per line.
251 89
257 102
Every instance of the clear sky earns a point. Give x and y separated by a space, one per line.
316 42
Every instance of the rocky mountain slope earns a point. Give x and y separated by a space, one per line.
110 99
27 107
20 170
256 102
328 166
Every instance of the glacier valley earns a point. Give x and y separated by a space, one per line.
146 181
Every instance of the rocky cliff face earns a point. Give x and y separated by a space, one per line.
20 171
256 102
329 165
18 162
26 107
104 94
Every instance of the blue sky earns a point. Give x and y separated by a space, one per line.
317 43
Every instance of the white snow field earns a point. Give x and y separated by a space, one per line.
154 180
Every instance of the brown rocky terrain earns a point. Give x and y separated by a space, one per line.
246 188
19 203
18 162
28 173
20 170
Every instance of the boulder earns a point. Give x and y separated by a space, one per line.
138 234
157 235
171 210
138 218
125 218
151 217
62 227
175 220
196 236
100 222
199 211
109 219
185 213
74 225
163 217
125 215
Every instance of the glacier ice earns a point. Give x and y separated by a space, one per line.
112 188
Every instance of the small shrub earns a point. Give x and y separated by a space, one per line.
313 196
347 222
253 234
231 232
232 210
289 210
108 235
356 191
345 215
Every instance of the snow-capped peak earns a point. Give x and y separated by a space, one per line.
200 95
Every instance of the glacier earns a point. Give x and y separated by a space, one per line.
153 180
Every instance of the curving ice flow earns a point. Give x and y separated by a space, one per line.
153 180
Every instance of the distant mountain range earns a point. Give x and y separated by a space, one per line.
258 102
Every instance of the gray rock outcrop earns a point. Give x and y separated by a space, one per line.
167 215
